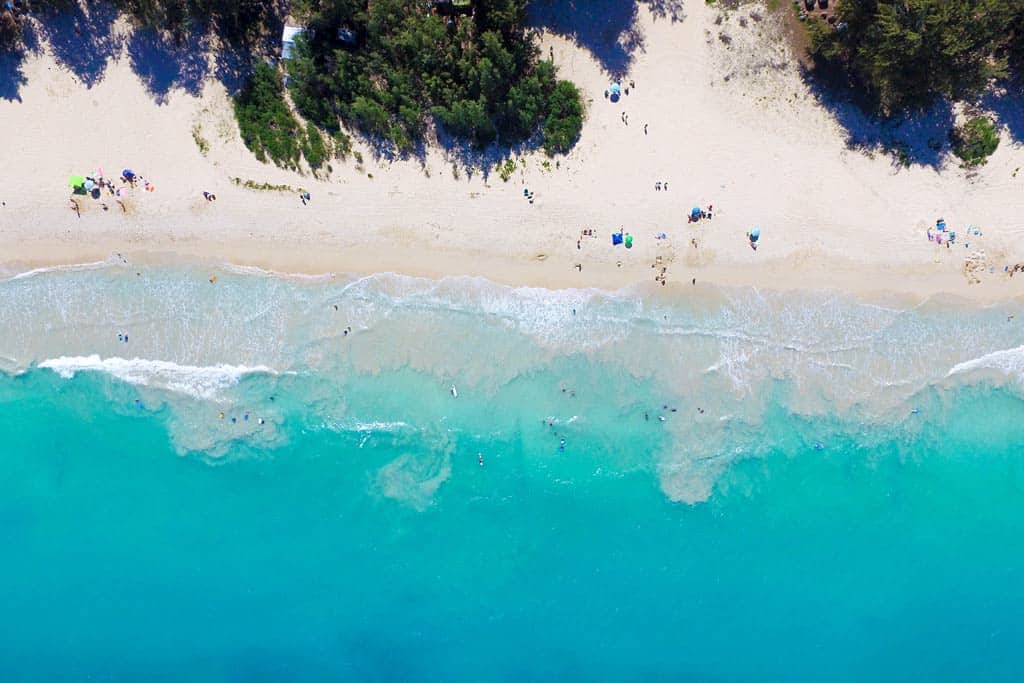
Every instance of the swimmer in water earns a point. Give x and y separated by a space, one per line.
480 459
819 446
260 421
661 418
221 415
915 411
646 416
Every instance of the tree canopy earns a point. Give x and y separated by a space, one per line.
398 64
905 53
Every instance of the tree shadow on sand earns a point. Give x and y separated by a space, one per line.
12 77
606 28
81 38
910 139
1007 103
163 63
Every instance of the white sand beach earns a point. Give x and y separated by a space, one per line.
729 124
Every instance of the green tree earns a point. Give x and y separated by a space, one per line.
905 53
478 73
564 118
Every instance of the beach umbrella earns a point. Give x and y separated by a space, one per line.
616 89
76 181
755 234
89 184
695 212
128 173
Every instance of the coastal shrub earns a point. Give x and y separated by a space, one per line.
975 141
342 144
314 148
267 124
391 67
564 118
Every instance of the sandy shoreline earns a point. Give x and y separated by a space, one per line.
757 146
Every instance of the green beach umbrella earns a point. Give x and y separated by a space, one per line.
76 181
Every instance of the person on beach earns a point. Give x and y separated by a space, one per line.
645 129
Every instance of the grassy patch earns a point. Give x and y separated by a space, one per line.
201 142
265 187
506 169
975 141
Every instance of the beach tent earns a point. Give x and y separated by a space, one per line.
76 181
288 36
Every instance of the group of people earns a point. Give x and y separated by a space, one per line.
94 185
698 214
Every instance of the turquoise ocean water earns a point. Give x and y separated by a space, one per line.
834 494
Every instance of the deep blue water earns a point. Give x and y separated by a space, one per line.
887 556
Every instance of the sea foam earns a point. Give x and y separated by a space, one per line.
68 268
196 381
1009 362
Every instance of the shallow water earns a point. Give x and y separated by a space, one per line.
847 505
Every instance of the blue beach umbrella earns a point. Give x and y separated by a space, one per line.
755 234
615 90
695 212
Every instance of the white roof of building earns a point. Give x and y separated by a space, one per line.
288 40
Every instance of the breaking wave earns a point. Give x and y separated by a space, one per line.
198 382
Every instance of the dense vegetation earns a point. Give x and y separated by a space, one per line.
905 53
264 119
975 141
391 67
270 129
235 22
